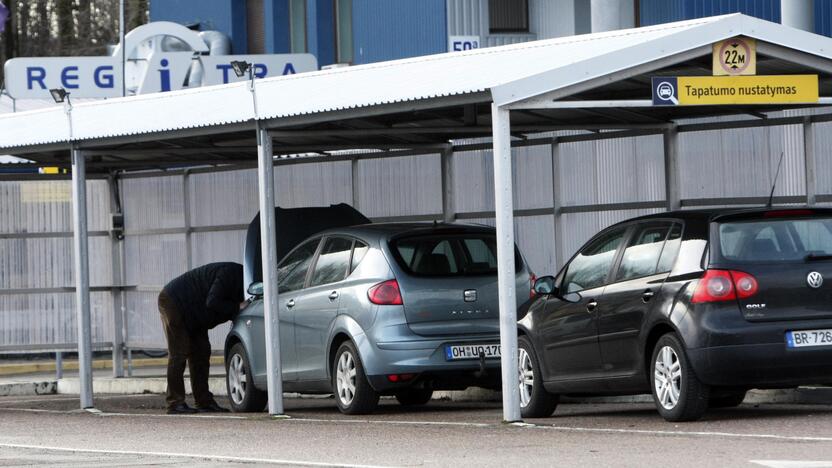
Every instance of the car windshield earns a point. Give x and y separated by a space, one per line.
448 254
775 239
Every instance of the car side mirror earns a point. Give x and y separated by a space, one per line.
255 289
545 285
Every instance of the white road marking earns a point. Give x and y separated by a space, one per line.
792 463
688 433
271 461
457 424
72 398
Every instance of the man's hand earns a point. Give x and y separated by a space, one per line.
243 305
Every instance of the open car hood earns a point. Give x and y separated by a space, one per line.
294 225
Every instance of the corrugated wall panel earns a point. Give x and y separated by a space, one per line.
612 171
400 186
394 29
44 319
823 17
745 162
531 176
465 18
666 11
552 18
153 202
225 246
823 157
228 197
317 184
153 260
45 206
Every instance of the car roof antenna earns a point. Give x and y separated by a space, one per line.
774 182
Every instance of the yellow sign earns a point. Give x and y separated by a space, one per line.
736 56
772 89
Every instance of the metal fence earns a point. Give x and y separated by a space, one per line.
567 186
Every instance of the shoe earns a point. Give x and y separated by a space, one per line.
182 408
212 408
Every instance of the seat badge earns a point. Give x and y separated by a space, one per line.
470 295
814 280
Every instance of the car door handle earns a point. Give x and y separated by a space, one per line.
591 305
291 303
333 295
647 295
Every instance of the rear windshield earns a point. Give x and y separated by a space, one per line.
448 255
774 240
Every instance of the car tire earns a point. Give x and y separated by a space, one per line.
677 392
243 396
352 390
726 399
535 401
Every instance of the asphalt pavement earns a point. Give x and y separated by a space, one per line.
133 430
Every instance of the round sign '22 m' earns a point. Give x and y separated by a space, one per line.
735 56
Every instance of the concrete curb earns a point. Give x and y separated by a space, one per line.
29 388
158 385
38 367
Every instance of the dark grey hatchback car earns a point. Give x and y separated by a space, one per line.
696 307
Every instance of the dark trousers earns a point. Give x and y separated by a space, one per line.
184 347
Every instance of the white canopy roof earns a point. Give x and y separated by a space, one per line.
510 73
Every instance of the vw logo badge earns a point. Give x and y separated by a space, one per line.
814 279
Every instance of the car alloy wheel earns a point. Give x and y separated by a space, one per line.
345 378
237 379
526 377
535 401
668 377
243 394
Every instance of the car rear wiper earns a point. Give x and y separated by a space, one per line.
812 257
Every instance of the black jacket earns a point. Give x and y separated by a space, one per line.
209 295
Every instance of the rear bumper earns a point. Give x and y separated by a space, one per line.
762 365
426 360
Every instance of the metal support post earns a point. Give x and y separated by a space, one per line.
809 161
268 242
117 294
59 365
798 14
448 202
503 203
186 215
671 169
610 15
354 179
82 275
557 202
129 362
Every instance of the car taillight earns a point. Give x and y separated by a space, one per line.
532 280
724 285
386 293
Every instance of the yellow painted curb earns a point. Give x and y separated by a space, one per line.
36 367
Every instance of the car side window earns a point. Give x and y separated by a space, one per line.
641 257
291 272
671 249
333 261
589 269
359 250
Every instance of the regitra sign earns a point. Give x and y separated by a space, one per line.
149 68
726 90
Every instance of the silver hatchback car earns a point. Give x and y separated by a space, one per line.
378 309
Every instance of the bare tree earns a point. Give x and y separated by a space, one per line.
38 28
